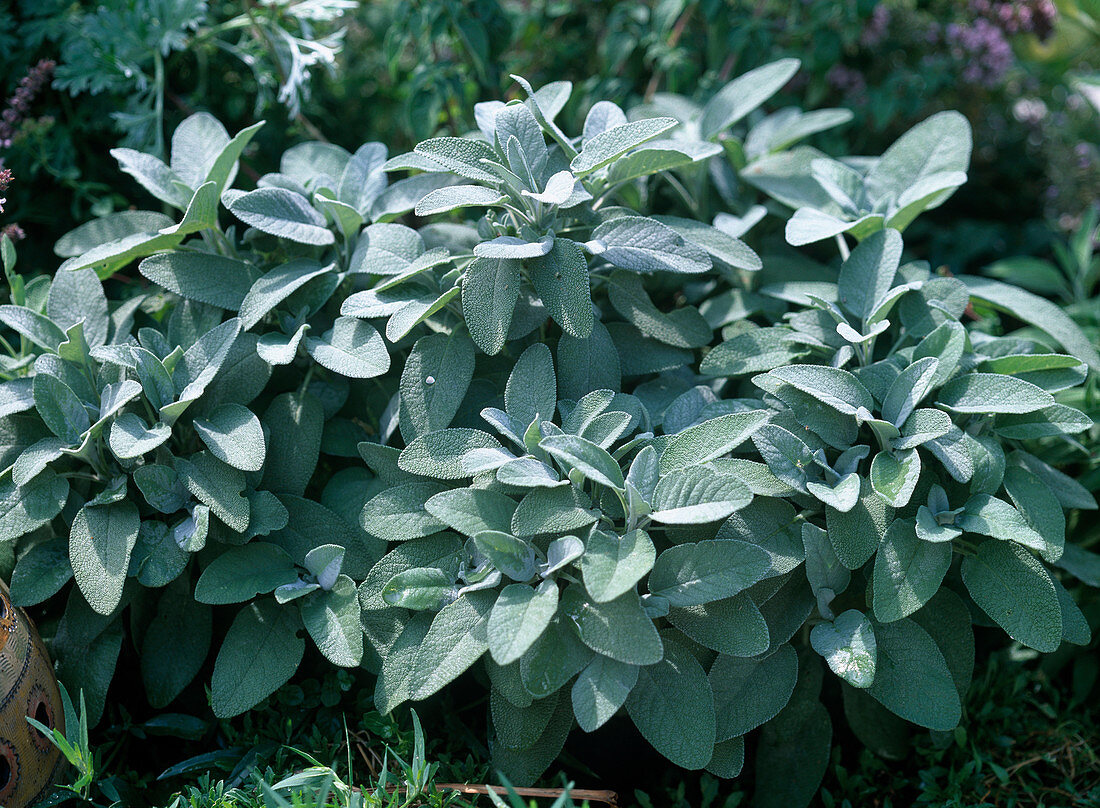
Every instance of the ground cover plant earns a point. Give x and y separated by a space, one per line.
503 414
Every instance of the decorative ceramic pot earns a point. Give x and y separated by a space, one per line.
29 763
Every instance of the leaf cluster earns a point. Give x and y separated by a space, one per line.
611 457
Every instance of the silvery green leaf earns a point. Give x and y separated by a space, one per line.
196 145
552 511
154 176
371 303
161 487
760 349
912 679
531 391
398 514
75 297
894 476
293 425
788 126
711 438
472 510
516 121
512 247
848 645
282 213
212 279
787 456
673 707
1015 589
940 143
602 115
750 692
401 197
558 189
696 495
744 94
619 628
683 327
842 496
519 617
16 395
560 277
346 218
418 588
463 156
100 543
610 143
856 534
241 573
275 287
930 529
234 435
331 616
452 197
921 426
834 387
725 248
657 156
560 553
992 393
612 564
809 225
868 273
529 472
39 329
908 572
1069 492
823 569
27 508
994 517
1035 311
908 389
60 409
456 640
586 365
511 556
261 651
218 486
1037 504
33 460
352 348
692 574
363 179
442 454
198 366
434 381
585 456
277 348
386 249
297 589
645 245
490 289
732 626
600 690
131 438
1048 422
929 191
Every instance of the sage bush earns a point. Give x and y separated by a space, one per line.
506 414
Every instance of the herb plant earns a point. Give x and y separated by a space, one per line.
611 457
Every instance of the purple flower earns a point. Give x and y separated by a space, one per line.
19 105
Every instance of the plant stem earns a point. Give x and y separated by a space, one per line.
158 81
842 245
